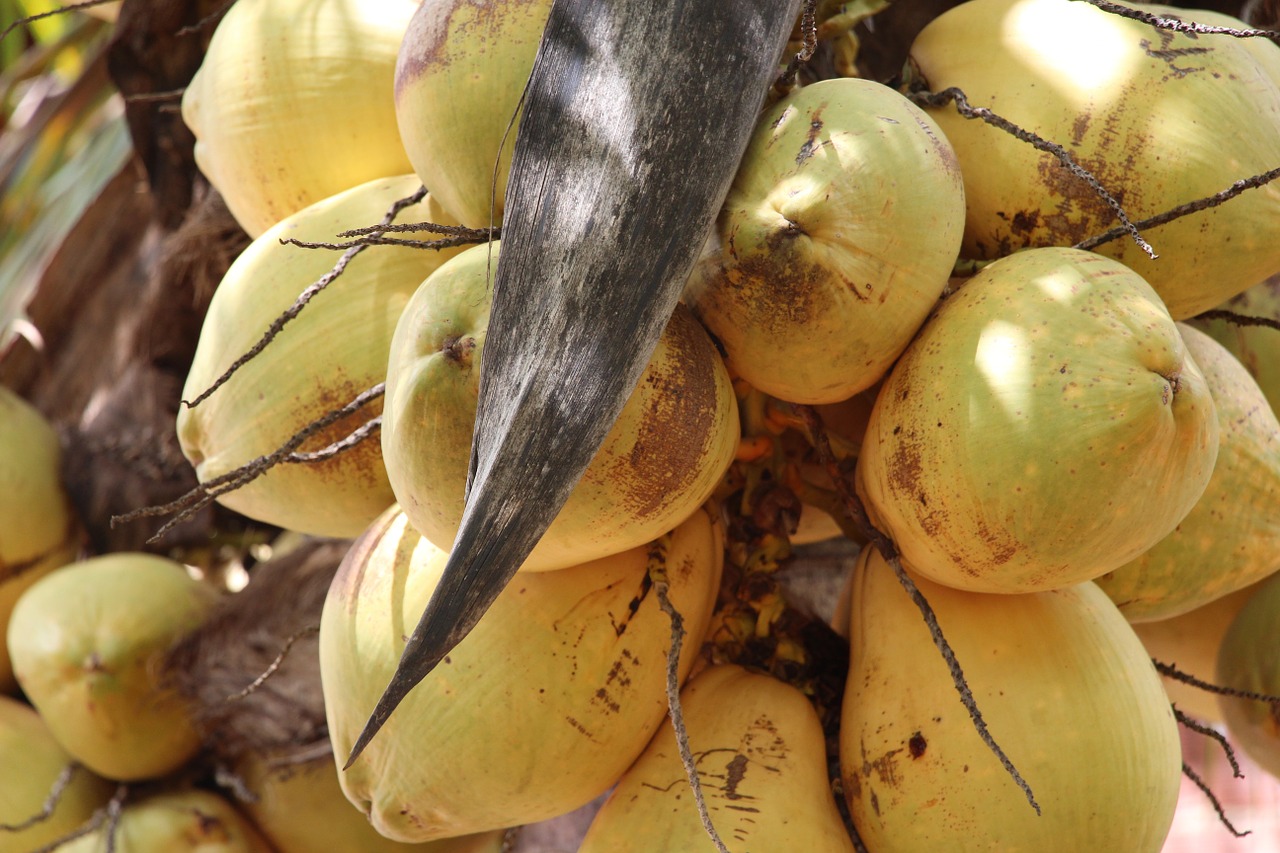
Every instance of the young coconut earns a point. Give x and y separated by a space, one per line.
191 821
1097 83
539 710
1249 660
459 80
1066 689
293 104
1046 426
38 529
762 764
1231 538
839 234
335 349
85 641
1256 347
674 440
27 747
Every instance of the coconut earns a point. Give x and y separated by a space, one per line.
1249 660
85 642
1097 83
673 441
1231 538
538 710
1066 690
762 764
1046 426
838 235
459 79
334 350
1256 347
293 103
191 821
27 745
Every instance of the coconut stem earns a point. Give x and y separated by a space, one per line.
1240 319
303 298
1201 729
964 108
108 816
1217 806
51 802
658 573
881 541
274 666
809 31
1178 25
1171 671
478 235
1184 209
357 435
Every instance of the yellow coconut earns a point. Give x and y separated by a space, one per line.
38 529
191 821
334 350
538 711
1231 538
293 103
838 235
1190 642
1249 660
1150 112
762 764
84 642
459 78
1046 426
36 761
1256 347
1065 688
674 440
300 808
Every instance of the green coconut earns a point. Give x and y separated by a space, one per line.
1066 690
191 821
837 237
459 78
85 642
26 745
552 695
1231 538
1256 347
1149 111
1046 426
334 350
674 440
1249 660
762 765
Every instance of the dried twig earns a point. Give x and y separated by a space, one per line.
61 10
657 570
201 496
809 31
1213 734
357 435
1239 319
481 234
964 108
152 97
50 803
108 816
212 18
375 240
887 549
1217 806
301 302
1177 25
1184 209
1171 671
274 666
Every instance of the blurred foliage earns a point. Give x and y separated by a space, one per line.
62 137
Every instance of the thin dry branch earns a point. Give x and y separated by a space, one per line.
1213 734
809 31
967 110
357 435
61 10
882 543
481 234
201 496
108 816
1239 319
1177 25
50 803
375 240
1171 671
303 298
274 666
211 18
1186 209
1217 806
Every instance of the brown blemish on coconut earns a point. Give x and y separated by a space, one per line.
917 745
811 142
458 350
463 25
734 772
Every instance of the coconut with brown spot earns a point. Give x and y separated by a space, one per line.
180 821
1097 84
762 765
552 695
335 349
838 235
674 440
1066 690
86 642
459 80
1231 538
1046 426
